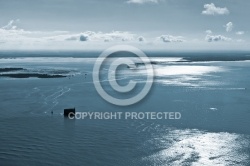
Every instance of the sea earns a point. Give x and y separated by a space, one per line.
211 91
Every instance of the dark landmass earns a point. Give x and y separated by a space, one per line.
10 69
28 75
216 58
142 64
152 63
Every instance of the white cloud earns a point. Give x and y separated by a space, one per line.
95 36
12 37
112 36
229 27
209 32
142 1
170 38
240 33
11 25
211 9
11 34
216 38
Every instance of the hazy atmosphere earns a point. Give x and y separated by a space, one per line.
151 24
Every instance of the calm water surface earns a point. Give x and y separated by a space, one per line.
213 98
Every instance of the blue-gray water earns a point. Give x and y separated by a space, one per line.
212 96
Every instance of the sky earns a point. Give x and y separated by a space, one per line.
147 24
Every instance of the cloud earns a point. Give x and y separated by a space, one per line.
11 25
142 1
211 9
11 30
83 37
240 33
10 33
141 39
170 38
12 37
229 27
96 36
208 31
216 38
112 36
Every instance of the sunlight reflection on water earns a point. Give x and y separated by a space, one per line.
194 147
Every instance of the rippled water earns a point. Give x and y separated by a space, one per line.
213 98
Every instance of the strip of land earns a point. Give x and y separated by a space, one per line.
28 75
10 69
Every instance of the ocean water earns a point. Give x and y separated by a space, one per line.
213 97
